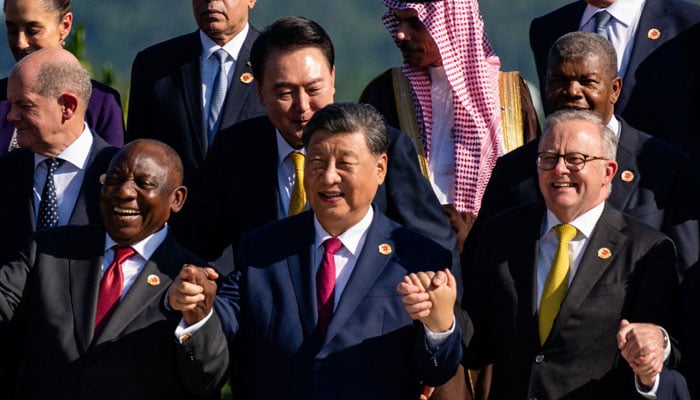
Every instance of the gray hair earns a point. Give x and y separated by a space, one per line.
579 45
350 117
608 137
55 77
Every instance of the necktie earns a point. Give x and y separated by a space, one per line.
325 284
557 282
297 203
111 287
48 207
218 95
602 20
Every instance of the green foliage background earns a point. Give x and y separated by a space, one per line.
115 30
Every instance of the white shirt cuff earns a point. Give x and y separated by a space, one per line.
651 394
184 332
435 340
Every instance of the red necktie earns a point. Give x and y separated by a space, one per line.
325 284
111 287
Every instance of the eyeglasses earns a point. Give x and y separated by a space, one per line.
547 160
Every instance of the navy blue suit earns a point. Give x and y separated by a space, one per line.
659 91
663 192
240 191
372 348
166 97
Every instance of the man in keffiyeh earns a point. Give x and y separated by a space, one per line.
454 89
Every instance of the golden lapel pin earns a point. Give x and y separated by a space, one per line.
604 253
247 77
654 34
627 176
153 280
384 249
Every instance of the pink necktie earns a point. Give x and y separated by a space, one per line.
111 287
325 284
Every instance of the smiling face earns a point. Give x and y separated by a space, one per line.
415 42
582 84
141 189
295 84
568 194
221 20
341 178
32 25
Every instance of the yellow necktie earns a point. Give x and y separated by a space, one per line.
297 203
557 282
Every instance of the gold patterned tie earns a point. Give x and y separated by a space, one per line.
557 282
297 203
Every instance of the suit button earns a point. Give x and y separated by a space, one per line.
539 358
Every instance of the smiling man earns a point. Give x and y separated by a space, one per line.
313 303
89 301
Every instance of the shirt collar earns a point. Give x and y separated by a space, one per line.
146 247
77 153
614 125
284 148
624 11
351 238
584 223
232 47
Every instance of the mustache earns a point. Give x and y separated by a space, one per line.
409 47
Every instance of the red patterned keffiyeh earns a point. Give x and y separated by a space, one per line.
472 70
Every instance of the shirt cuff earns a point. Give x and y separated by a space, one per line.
184 332
641 389
435 340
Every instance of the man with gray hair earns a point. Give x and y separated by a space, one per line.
554 285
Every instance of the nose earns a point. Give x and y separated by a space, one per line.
302 102
401 34
126 190
561 168
330 175
22 42
573 89
13 116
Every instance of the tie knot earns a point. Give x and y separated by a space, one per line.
298 160
332 245
565 232
221 55
52 164
121 253
602 18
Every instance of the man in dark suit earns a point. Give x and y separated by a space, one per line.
553 286
656 43
249 174
329 323
656 183
93 320
44 133
173 83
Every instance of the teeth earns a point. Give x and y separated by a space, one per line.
563 184
331 194
126 211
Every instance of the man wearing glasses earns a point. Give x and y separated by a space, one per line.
655 183
558 291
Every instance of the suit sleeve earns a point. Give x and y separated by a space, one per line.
435 368
672 386
13 279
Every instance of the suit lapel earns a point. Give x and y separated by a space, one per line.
238 90
605 235
300 272
86 209
191 81
84 296
626 157
26 186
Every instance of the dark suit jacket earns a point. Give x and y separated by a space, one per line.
51 291
579 359
240 191
690 325
663 193
372 349
17 203
104 115
166 97
659 92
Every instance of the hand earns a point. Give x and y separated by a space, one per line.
430 297
461 223
642 346
193 292
426 392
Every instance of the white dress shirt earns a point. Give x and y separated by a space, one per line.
133 265
621 29
68 178
210 64
441 160
286 173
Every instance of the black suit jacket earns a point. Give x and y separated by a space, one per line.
579 359
166 97
659 91
51 291
690 324
17 203
372 349
240 191
663 192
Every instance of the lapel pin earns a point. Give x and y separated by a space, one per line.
385 249
604 253
103 178
153 280
654 34
247 77
248 64
627 176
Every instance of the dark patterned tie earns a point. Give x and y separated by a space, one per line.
111 287
48 207
325 284
218 95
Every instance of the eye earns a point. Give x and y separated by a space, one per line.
575 158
